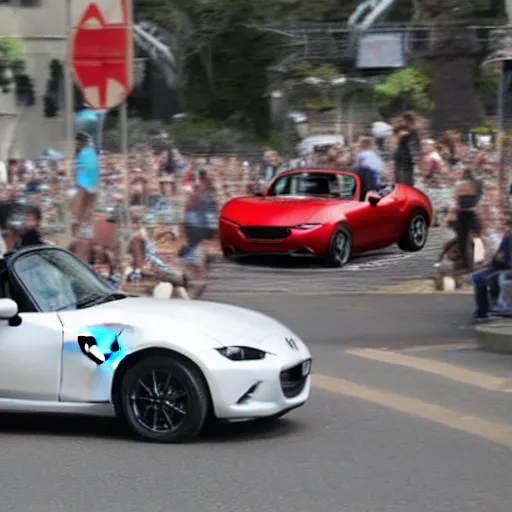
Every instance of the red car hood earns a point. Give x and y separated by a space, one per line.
274 211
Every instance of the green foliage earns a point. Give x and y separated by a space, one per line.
484 130
194 135
11 50
408 88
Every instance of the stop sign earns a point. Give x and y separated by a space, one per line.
101 51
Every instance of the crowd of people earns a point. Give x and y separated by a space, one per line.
151 216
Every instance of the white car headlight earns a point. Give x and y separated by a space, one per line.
241 353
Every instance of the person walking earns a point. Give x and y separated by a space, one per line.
407 149
468 192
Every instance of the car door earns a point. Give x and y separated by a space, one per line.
30 357
377 226
387 218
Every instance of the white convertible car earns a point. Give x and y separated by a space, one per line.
70 342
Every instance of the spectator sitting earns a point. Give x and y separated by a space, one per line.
147 265
487 280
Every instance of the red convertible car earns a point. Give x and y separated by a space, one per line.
325 214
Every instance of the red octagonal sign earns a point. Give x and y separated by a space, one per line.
101 51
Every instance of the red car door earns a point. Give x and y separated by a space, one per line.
387 221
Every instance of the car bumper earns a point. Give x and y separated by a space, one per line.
301 242
243 390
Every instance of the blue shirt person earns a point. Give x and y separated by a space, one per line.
87 176
368 165
86 165
487 280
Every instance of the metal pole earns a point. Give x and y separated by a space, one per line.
351 119
69 111
123 117
501 114
123 111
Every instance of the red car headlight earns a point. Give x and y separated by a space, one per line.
307 226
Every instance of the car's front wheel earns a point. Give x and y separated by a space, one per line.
164 400
415 235
340 248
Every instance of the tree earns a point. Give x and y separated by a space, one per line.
405 89
456 103
226 58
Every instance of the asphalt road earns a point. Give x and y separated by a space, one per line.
364 272
423 425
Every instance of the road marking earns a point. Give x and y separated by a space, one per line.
445 346
459 374
489 430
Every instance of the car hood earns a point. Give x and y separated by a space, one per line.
274 211
223 324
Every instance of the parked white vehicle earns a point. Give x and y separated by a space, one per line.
70 342
308 145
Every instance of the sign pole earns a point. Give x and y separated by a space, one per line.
69 119
123 116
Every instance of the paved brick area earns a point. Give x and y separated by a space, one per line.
364 273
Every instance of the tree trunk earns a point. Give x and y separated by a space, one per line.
456 105
453 62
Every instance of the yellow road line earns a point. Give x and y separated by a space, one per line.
459 374
444 346
489 430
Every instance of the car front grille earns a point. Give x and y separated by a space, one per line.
292 381
264 233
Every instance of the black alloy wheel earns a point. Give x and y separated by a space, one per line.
340 248
416 233
164 400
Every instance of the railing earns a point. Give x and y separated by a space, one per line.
158 45
328 41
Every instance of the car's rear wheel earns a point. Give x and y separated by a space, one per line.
164 400
340 248
415 235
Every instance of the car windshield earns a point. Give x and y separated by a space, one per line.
313 184
59 281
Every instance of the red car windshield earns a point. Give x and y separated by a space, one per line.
313 184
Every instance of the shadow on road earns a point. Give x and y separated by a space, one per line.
290 262
112 429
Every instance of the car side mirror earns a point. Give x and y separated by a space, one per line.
374 199
9 311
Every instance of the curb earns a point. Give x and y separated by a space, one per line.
495 337
421 287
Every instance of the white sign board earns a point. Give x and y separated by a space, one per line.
378 51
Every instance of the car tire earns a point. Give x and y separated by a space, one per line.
163 400
340 248
415 235
227 253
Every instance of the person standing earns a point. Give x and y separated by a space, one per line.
31 234
87 176
407 149
369 165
